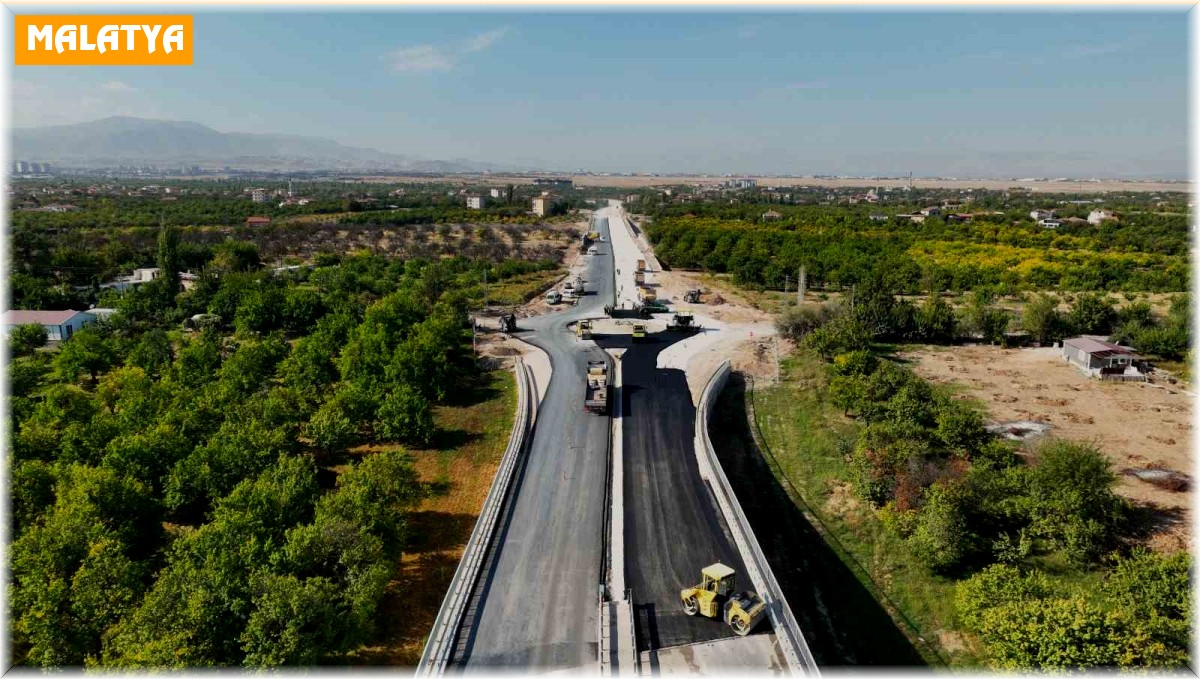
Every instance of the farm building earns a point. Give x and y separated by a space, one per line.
59 325
1097 357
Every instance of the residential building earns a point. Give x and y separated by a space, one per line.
101 313
258 221
931 211
496 193
1050 223
138 277
1095 356
59 325
1096 217
1039 215
258 195
959 218
543 205
878 217
771 216
475 202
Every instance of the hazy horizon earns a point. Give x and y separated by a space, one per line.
970 94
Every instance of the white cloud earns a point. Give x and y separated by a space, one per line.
117 86
435 58
485 40
421 59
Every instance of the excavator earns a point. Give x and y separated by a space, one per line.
742 611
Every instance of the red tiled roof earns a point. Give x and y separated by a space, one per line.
24 317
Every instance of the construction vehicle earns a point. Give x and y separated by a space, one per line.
641 265
715 596
595 394
553 297
648 309
682 323
594 235
692 296
639 332
579 288
583 329
508 323
639 277
646 294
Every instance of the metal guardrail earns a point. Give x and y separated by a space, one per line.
787 630
436 656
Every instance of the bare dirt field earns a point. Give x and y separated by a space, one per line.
1138 426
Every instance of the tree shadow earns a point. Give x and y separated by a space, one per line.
432 531
452 439
841 618
471 390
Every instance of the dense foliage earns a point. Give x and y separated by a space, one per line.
191 497
840 245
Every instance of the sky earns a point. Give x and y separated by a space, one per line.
978 94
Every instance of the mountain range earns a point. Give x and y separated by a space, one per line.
123 140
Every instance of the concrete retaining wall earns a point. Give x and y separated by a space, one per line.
787 630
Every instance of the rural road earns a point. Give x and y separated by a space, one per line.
538 608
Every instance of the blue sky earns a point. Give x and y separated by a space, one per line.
954 94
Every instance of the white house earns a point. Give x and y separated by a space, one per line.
1096 217
543 205
59 325
1050 223
496 193
475 202
1097 357
138 277
1039 215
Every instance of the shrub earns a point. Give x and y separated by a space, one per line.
24 339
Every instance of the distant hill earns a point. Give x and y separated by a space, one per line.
124 140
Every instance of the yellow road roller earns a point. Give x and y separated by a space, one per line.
715 595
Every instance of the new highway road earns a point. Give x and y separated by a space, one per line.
536 599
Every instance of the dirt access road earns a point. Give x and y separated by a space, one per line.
1138 426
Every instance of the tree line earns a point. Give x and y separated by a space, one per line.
196 497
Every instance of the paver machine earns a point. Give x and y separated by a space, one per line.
716 595
683 323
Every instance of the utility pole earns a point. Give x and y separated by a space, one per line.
801 285
785 284
485 290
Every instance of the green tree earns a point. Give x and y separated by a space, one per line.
168 259
1042 320
405 415
24 339
1092 314
87 351
153 352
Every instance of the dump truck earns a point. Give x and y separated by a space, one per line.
595 395
648 309
682 323
641 265
508 323
692 296
646 294
594 235
639 277
583 329
639 332
716 595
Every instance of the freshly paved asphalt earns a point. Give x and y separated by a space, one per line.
538 606
673 526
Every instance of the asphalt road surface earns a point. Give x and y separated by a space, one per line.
539 595
673 526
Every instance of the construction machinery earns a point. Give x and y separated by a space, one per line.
639 332
508 323
641 265
646 294
648 309
596 391
583 329
716 595
682 323
692 296
639 277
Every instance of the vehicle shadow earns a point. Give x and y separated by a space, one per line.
842 620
